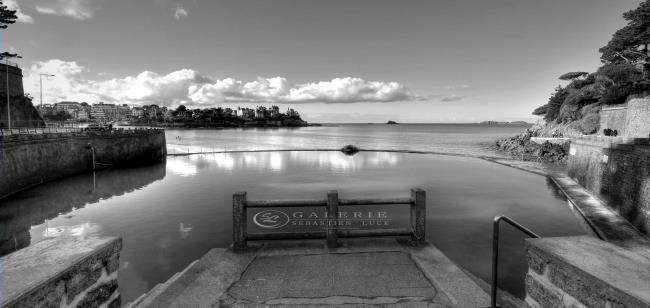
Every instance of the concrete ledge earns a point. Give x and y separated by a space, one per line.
542 140
63 271
585 272
603 221
206 283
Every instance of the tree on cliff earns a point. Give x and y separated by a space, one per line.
7 16
630 44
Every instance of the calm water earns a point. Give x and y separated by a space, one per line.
171 214
464 139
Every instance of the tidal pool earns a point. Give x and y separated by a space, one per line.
170 214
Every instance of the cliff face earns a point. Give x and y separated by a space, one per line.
23 113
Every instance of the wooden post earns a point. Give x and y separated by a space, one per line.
239 221
418 214
332 218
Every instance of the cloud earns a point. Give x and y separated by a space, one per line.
452 98
279 90
180 12
458 87
22 17
77 9
189 87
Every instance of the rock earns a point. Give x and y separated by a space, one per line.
350 149
391 122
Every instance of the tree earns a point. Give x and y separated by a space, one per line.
555 103
630 44
573 75
7 16
181 108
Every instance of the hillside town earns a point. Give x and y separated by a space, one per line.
75 112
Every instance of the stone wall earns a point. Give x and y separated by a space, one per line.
618 170
626 182
62 272
613 117
15 80
637 122
28 160
631 119
585 272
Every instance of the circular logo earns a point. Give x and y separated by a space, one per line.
271 219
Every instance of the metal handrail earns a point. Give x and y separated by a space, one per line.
495 251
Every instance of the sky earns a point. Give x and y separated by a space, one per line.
334 61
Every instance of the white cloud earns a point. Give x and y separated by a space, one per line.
279 90
189 87
22 17
77 9
180 12
458 87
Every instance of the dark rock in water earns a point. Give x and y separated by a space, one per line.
391 122
350 149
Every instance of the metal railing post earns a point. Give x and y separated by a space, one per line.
332 218
239 221
495 252
418 214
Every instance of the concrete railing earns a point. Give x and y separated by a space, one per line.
241 204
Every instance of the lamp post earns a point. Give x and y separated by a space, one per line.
40 76
6 56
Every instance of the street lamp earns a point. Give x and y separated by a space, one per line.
40 76
6 56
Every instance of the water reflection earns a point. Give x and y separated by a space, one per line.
34 206
278 161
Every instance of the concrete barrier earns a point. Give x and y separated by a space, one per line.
31 159
585 272
62 272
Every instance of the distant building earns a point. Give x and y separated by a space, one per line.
247 113
274 112
137 112
82 114
69 107
108 110
98 115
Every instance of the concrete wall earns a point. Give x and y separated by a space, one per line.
631 119
585 272
62 272
617 169
28 160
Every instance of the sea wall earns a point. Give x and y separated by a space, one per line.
617 169
631 119
32 159
583 271
62 272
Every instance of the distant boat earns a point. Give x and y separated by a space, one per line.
392 122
